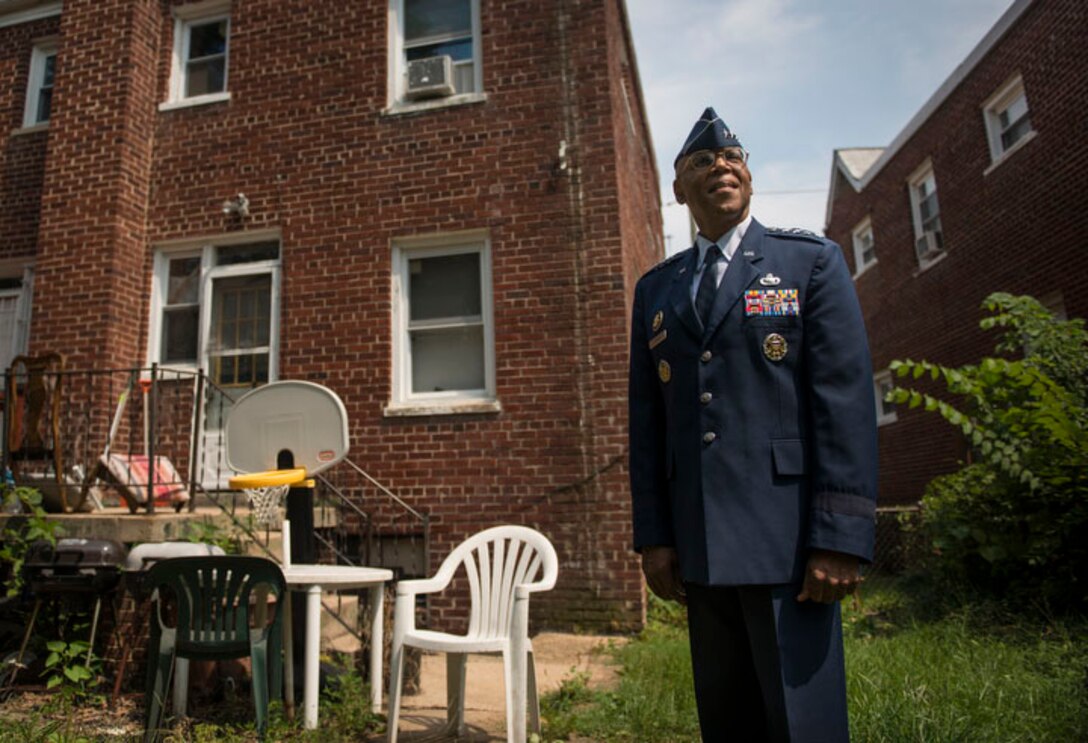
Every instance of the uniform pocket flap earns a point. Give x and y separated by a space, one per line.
789 456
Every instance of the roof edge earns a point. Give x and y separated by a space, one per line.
995 34
639 97
14 12
839 165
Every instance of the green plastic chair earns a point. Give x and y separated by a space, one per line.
222 612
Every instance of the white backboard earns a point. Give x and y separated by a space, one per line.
303 418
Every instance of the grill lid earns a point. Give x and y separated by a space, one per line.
75 554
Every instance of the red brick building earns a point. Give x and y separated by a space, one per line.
437 209
986 189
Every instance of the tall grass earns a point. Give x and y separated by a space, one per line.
653 701
974 672
921 668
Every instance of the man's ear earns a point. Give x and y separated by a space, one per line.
676 192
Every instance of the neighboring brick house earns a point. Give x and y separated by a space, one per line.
986 189
455 263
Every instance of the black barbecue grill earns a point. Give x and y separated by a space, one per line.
72 568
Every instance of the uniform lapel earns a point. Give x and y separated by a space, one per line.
680 293
741 272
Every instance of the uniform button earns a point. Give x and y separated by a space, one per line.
709 437
707 356
705 398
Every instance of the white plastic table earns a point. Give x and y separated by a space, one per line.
313 579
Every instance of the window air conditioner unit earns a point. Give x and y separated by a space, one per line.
431 77
927 247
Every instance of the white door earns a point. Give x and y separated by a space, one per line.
237 353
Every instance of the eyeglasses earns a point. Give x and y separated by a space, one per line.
705 159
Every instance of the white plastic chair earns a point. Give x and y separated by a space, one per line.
504 564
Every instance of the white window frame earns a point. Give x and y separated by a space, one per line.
397 67
24 293
857 235
997 104
43 49
209 273
404 401
185 17
937 251
881 380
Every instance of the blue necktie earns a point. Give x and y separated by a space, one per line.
708 285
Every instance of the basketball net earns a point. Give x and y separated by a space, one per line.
265 503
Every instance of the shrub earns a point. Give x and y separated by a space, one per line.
1012 519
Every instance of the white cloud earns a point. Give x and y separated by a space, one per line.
795 79
695 53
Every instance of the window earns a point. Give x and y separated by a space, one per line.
864 254
1008 123
39 92
885 411
928 239
201 54
15 293
443 346
425 29
216 307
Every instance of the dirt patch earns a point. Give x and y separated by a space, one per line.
557 656
38 714
423 715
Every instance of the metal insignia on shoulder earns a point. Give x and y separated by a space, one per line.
792 231
667 262
796 232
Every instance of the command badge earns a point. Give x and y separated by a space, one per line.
775 347
664 371
658 319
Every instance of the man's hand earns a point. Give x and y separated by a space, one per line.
661 567
829 576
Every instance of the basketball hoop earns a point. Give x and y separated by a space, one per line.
265 491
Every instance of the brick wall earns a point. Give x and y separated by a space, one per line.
551 166
22 157
1020 228
92 259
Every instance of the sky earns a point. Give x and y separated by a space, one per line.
795 80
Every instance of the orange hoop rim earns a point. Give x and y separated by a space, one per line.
268 478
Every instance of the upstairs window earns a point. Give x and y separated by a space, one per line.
1008 121
427 36
926 213
864 253
39 92
201 53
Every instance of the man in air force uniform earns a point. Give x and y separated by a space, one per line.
752 452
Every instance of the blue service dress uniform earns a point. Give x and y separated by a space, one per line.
753 441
